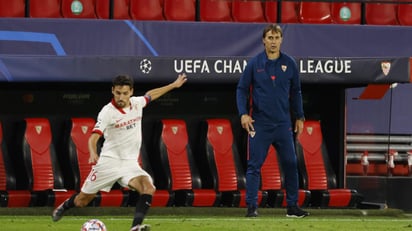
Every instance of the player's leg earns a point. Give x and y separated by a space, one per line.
284 145
146 189
76 200
258 146
102 176
134 177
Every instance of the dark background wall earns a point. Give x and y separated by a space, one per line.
193 102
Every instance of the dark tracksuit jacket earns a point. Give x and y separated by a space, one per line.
269 91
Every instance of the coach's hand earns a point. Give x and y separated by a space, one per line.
247 123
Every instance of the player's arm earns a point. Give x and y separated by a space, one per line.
296 101
93 139
242 94
157 92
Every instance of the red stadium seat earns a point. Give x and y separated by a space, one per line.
346 12
42 165
45 9
146 10
381 14
219 150
15 8
78 8
272 182
315 12
9 195
289 13
120 9
247 11
405 14
180 10
317 174
80 130
179 167
215 11
271 11
161 198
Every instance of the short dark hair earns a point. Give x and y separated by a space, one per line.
272 27
123 80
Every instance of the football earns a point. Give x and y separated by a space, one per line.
93 225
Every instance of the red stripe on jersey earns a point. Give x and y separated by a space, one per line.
148 99
97 131
118 108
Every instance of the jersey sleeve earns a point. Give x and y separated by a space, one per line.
140 101
296 93
102 122
243 87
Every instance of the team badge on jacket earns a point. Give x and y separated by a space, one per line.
252 134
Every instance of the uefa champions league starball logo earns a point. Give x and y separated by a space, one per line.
145 66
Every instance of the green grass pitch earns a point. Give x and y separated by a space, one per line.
206 219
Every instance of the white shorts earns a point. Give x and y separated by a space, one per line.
108 171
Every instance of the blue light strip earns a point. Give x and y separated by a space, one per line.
34 37
141 36
29 37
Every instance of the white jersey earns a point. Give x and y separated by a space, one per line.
121 128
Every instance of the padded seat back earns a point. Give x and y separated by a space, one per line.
146 10
404 13
174 154
179 166
10 196
40 156
247 11
315 12
80 131
313 158
45 9
215 11
346 12
78 8
289 11
223 157
224 164
120 9
179 10
381 14
14 8
317 173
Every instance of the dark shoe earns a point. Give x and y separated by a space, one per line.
140 228
295 211
251 212
58 212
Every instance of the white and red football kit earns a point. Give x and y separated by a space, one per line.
122 131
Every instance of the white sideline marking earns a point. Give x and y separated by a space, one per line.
240 219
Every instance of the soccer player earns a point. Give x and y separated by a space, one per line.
120 123
270 86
